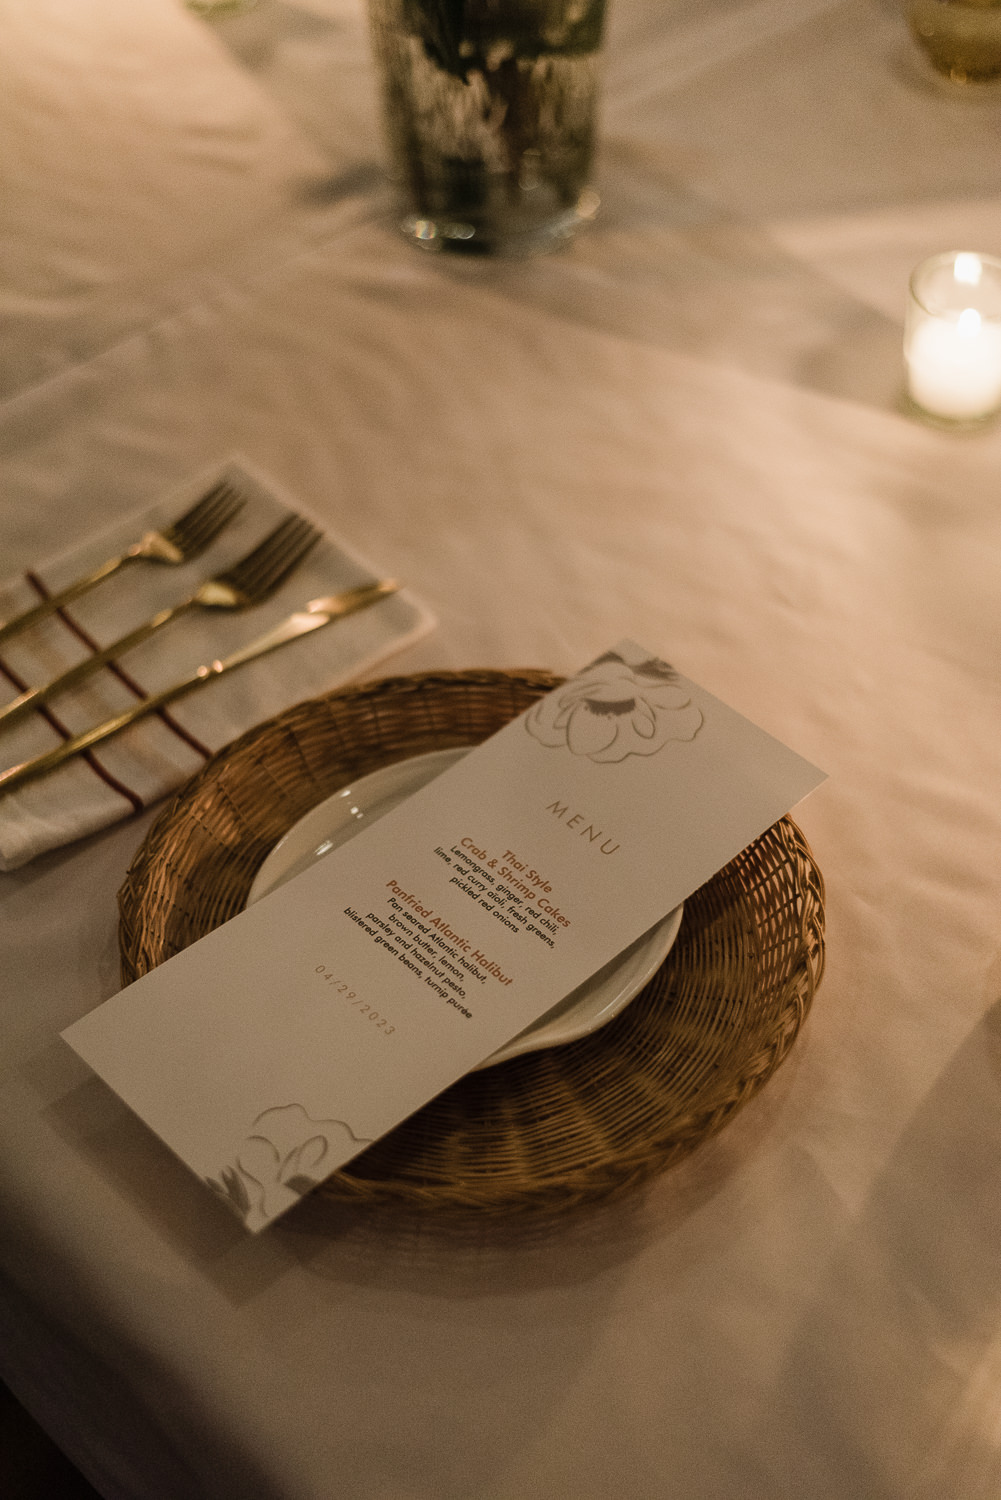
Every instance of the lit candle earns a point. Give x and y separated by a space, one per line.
953 339
954 366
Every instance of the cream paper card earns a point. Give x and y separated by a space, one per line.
273 1050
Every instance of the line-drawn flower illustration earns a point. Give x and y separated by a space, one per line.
283 1154
612 710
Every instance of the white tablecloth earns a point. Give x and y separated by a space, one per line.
685 429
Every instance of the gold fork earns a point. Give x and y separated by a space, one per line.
185 539
316 614
250 581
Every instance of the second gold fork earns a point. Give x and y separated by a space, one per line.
248 582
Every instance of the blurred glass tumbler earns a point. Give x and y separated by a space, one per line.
219 7
490 109
961 38
952 339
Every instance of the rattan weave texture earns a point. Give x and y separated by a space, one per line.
549 1130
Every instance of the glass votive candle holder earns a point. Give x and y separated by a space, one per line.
952 338
960 38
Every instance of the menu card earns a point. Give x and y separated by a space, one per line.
275 1049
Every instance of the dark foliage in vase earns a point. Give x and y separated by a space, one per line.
490 108
461 35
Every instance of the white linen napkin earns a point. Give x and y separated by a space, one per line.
148 760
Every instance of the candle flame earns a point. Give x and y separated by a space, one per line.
968 269
969 323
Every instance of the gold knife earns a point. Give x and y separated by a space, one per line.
316 614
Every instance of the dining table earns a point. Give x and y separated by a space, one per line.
686 427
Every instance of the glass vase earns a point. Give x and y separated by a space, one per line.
490 109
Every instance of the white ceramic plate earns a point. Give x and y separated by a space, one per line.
340 817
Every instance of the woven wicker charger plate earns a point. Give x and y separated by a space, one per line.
548 1130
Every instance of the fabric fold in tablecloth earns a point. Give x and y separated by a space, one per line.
145 762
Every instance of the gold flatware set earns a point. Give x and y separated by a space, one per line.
248 582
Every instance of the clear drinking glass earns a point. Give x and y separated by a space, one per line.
219 7
490 109
960 38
